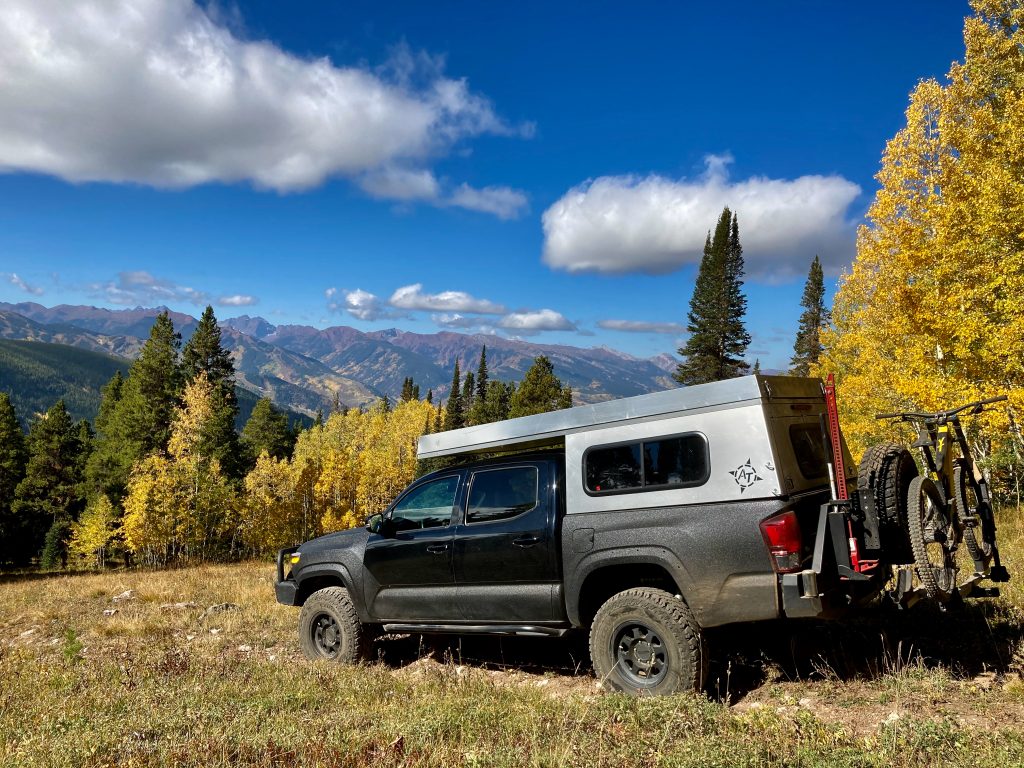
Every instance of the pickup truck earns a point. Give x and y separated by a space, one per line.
645 521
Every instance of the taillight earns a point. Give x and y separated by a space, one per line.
782 536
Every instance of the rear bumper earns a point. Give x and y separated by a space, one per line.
801 598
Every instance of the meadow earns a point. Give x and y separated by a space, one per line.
200 667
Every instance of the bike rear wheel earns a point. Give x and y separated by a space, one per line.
933 539
975 515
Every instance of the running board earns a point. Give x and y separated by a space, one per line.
529 630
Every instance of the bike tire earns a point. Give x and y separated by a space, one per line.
932 539
981 552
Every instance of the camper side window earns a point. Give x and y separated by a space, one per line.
655 464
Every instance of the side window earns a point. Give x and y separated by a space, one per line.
498 494
614 469
675 461
665 462
809 449
428 506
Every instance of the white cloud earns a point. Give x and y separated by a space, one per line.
412 297
142 288
401 184
361 304
165 93
536 321
654 225
503 202
640 326
238 300
20 284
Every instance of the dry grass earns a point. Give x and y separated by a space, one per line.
157 683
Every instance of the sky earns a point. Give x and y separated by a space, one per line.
545 171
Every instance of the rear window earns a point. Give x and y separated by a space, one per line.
656 464
499 494
809 450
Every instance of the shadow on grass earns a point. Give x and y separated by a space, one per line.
965 641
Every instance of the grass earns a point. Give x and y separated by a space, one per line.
160 680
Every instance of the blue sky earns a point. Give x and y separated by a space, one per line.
539 170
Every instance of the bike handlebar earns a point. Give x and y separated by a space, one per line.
977 407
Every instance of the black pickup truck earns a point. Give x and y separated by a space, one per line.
644 520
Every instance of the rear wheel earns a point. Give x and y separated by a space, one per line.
646 642
933 538
975 514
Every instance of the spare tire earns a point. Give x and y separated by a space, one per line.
884 475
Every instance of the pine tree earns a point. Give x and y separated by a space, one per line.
407 386
205 353
454 415
13 456
496 403
468 392
540 391
718 339
807 348
49 497
136 418
438 426
267 431
757 366
430 396
415 391
481 374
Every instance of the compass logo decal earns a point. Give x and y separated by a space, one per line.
745 476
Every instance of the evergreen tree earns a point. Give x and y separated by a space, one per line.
496 403
718 338
540 391
438 426
415 391
808 347
267 430
430 396
205 353
454 415
319 420
140 409
481 374
468 392
757 366
49 497
104 470
407 387
13 456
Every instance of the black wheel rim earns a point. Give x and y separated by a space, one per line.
326 635
939 544
640 654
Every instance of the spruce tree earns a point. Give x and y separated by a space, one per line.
540 391
104 470
205 353
454 415
407 389
481 374
757 366
50 496
468 392
267 430
13 456
718 339
808 347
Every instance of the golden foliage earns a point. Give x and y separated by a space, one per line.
932 313
92 533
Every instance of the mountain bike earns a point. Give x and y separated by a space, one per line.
950 504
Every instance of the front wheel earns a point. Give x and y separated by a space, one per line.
329 628
933 538
975 513
646 642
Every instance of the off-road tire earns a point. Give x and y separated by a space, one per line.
980 551
924 519
884 475
646 642
329 628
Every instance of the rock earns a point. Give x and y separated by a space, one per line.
28 632
893 717
245 648
109 611
126 595
177 606
805 702
216 631
221 607
985 680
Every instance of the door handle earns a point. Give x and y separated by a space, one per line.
526 541
437 548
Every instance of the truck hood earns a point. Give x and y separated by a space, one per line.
354 538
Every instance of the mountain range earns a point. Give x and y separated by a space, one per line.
304 369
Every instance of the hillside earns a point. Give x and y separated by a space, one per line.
38 374
305 368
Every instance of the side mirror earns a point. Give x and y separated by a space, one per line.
375 523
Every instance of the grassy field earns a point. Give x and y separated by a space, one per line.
170 675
